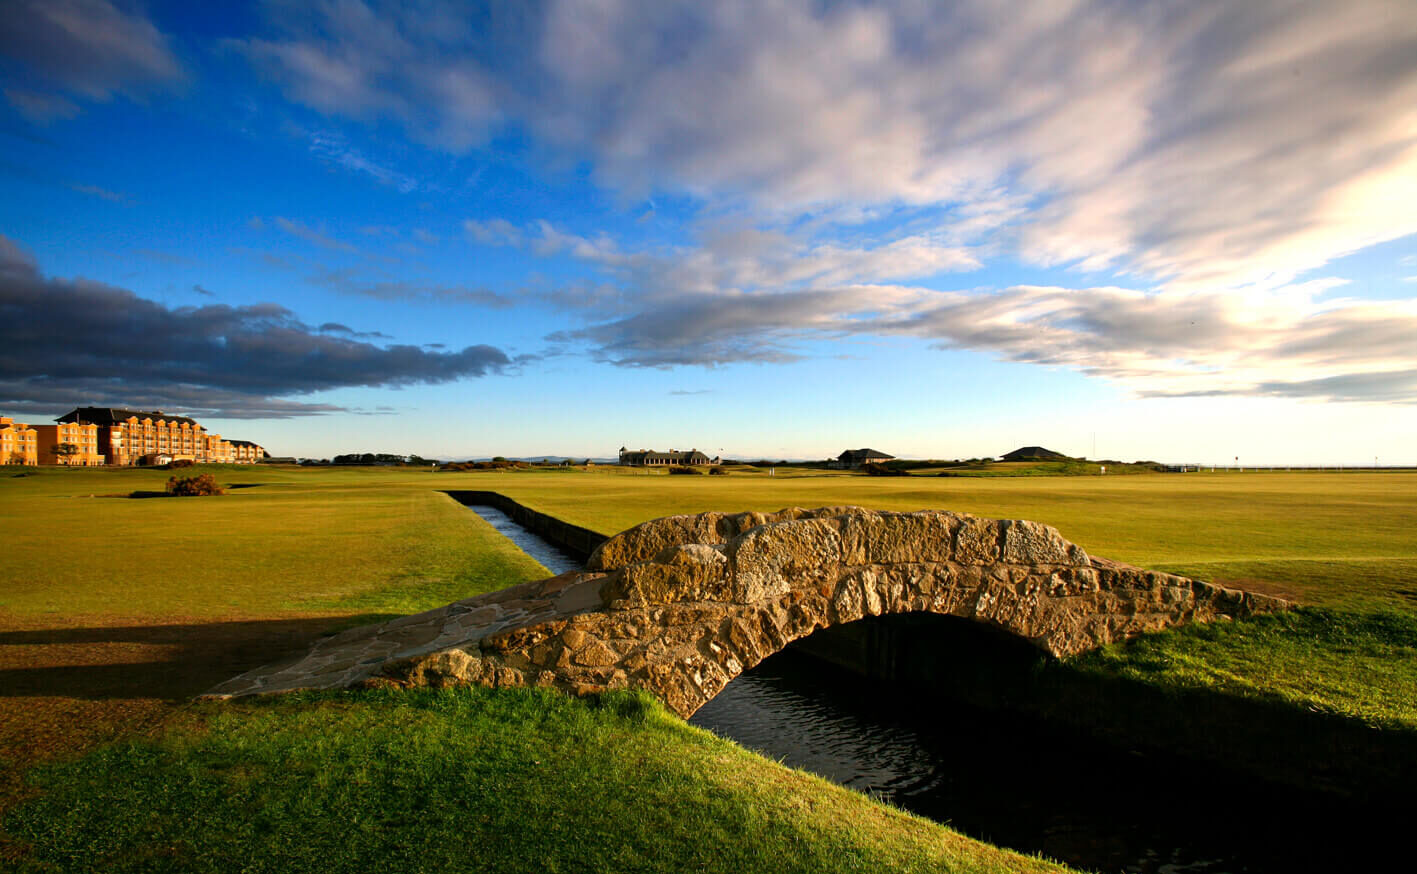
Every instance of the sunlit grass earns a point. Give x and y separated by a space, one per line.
465 779
350 782
279 543
1357 665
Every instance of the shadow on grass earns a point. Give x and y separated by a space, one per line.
170 662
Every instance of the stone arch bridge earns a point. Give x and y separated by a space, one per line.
681 605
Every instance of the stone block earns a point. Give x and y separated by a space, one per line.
773 559
1031 543
976 541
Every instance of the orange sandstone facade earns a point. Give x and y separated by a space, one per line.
126 437
81 436
106 435
18 442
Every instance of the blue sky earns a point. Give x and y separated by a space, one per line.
1141 230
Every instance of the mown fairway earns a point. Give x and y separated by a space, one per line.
115 611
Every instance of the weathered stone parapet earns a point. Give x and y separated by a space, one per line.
681 605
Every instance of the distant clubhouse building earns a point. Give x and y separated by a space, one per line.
93 436
672 458
854 458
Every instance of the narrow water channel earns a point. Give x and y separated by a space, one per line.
1012 781
551 556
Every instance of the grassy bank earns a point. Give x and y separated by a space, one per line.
512 780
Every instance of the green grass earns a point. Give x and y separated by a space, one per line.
466 779
1362 666
284 542
95 582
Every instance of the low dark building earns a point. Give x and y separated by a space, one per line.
672 458
1034 453
854 458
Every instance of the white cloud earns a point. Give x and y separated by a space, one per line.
1200 144
1206 153
311 235
1282 343
333 147
493 232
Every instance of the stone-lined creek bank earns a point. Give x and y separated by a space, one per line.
958 745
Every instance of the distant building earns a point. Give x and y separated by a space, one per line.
672 458
854 458
126 437
18 442
1034 453
246 452
80 435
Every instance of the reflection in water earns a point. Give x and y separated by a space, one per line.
550 556
1020 784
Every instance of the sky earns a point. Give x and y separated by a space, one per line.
1135 230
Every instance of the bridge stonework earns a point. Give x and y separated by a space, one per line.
681 605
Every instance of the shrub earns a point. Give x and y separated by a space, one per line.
683 470
193 486
181 462
718 470
484 465
874 469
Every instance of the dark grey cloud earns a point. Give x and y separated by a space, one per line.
101 193
1388 387
356 281
75 341
337 328
715 329
86 48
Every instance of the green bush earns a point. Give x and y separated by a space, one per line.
692 471
874 469
718 470
193 486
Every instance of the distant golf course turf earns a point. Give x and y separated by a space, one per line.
116 610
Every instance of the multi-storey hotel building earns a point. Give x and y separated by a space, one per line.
83 437
18 442
124 437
